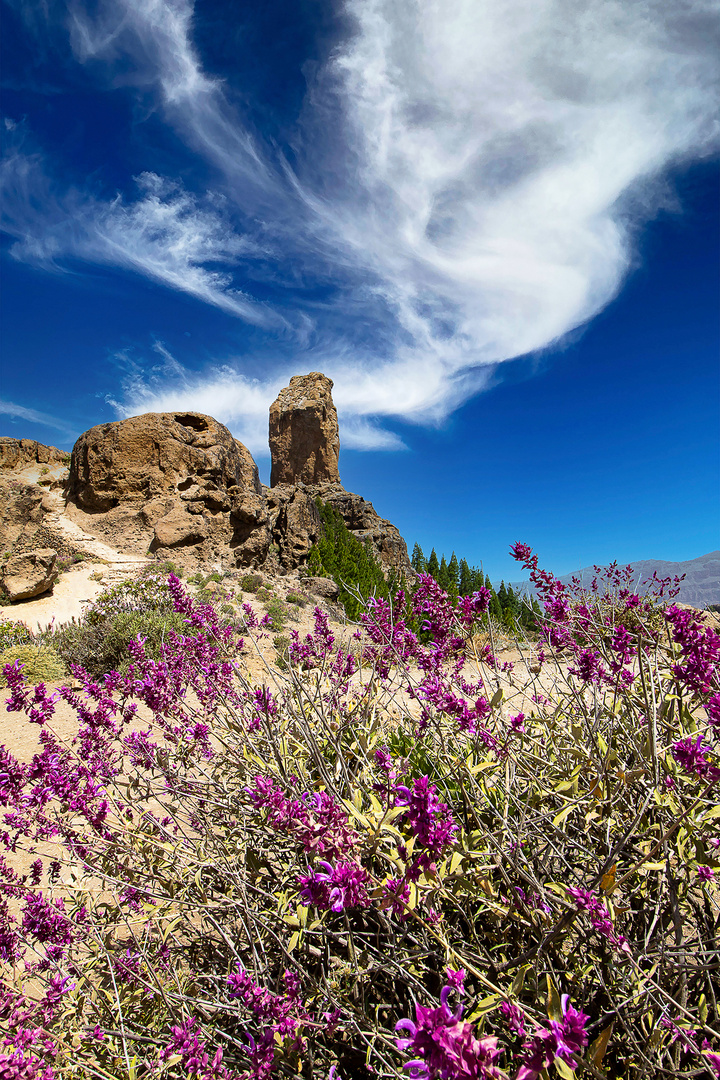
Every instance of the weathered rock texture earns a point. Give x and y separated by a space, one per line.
29 574
187 455
28 472
179 484
17 453
304 436
175 482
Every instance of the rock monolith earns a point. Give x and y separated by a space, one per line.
304 437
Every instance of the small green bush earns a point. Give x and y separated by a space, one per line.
162 569
297 599
98 642
102 645
40 663
281 642
251 582
14 633
277 610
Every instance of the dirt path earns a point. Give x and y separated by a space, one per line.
80 584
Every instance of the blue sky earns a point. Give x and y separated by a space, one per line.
494 226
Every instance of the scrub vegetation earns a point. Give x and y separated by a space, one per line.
397 855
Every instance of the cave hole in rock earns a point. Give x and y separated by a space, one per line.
197 423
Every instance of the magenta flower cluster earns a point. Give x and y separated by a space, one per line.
564 1039
599 917
445 1047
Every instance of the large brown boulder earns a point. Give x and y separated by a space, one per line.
157 454
165 481
29 574
304 438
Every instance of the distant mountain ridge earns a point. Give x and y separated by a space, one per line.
700 587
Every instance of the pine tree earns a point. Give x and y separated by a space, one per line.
454 574
466 584
502 595
443 578
352 565
433 566
418 560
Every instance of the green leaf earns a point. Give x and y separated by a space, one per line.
559 819
519 980
553 1004
599 1046
455 861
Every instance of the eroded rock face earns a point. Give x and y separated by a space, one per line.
163 481
157 454
294 522
304 436
17 453
29 574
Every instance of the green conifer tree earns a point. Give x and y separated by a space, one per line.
418 560
433 566
466 584
454 574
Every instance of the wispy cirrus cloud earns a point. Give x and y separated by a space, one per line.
9 408
166 234
469 177
240 402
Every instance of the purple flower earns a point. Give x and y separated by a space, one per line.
713 710
47 921
429 819
445 1047
705 873
599 918
563 1039
515 1018
341 886
691 755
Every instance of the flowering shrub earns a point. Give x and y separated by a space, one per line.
408 858
99 640
14 632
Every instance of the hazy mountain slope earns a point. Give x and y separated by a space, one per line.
700 587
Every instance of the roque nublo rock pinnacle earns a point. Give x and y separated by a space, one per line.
304 435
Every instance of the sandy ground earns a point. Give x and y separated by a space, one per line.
74 589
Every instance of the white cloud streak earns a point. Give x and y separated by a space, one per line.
9 408
489 165
241 403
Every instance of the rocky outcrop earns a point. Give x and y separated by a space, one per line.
304 436
187 455
294 523
180 483
29 574
365 523
169 481
18 453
